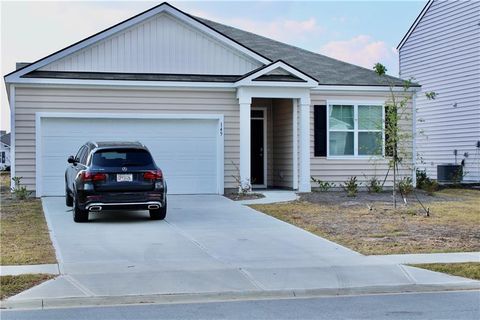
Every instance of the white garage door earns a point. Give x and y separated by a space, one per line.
185 149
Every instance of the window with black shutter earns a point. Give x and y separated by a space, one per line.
320 130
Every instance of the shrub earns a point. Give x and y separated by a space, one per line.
351 187
244 187
421 178
374 185
430 186
405 186
20 192
425 183
323 185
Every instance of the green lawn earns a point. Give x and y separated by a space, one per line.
11 285
467 270
23 230
374 227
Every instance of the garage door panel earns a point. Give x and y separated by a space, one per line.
186 150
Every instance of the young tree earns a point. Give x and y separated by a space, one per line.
397 110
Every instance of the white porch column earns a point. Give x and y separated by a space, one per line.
304 183
245 141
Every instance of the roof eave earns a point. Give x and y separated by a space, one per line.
414 24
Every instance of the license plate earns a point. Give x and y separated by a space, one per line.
124 177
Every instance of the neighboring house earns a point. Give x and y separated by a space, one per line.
213 103
4 150
442 52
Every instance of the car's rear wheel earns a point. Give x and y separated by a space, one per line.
68 199
159 214
79 215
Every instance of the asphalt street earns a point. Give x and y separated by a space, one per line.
439 305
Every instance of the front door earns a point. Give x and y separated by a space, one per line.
257 152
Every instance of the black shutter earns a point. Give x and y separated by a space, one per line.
389 147
320 129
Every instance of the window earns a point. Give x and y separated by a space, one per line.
355 130
122 157
2 156
81 155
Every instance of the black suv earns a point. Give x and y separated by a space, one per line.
114 175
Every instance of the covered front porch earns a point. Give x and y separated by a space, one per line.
274 103
275 139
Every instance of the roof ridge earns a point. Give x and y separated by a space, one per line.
298 48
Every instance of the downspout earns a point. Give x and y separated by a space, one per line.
11 95
414 138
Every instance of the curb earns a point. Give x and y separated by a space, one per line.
51 303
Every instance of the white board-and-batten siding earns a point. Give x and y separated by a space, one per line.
161 44
443 55
29 101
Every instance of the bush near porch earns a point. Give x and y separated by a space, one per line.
369 225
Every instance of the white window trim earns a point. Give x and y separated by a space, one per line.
355 104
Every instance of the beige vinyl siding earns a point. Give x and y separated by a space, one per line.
339 170
28 101
282 143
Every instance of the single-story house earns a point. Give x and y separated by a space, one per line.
215 105
4 150
441 50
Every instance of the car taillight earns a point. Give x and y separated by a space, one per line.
153 175
91 176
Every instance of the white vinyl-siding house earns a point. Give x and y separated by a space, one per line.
213 103
442 52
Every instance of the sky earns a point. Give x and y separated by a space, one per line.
359 32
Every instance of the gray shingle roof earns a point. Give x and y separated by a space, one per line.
5 139
326 70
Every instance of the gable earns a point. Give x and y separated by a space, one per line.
161 44
414 25
276 72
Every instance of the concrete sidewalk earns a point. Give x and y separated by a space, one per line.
209 247
272 196
30 268
451 257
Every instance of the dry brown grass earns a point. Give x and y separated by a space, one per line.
11 285
467 270
453 225
23 231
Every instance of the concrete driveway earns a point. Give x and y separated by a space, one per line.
207 244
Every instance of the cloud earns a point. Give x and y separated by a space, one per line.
281 29
363 50
286 30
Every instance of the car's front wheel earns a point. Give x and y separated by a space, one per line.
79 215
159 214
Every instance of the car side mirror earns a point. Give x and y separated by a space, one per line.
72 160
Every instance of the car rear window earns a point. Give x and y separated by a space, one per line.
122 158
